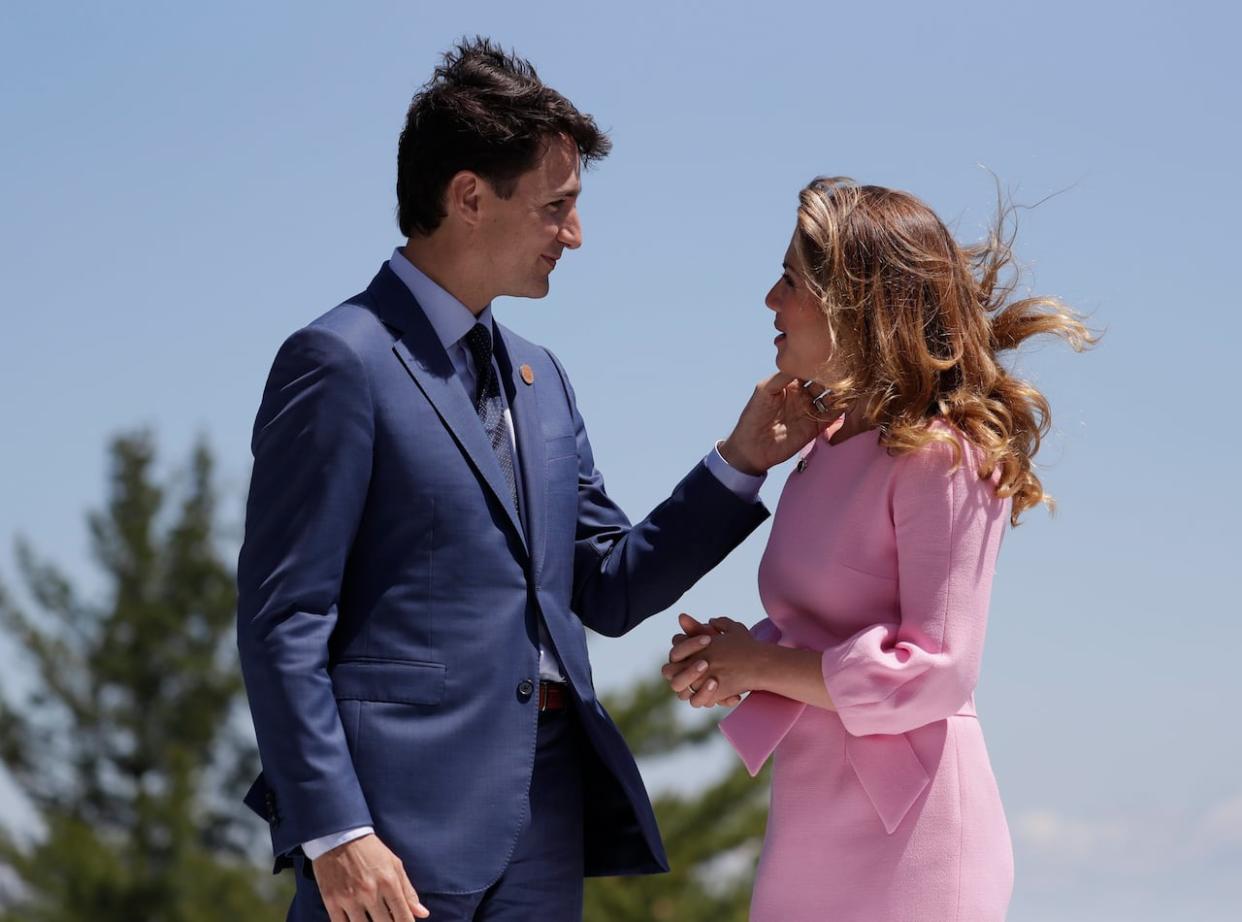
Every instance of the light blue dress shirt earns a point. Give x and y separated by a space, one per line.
452 320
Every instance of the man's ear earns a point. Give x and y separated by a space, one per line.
463 197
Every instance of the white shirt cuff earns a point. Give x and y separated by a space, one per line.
744 486
316 847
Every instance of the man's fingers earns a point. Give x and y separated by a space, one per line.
410 895
362 880
800 411
369 896
401 898
397 902
416 905
367 903
777 383
799 391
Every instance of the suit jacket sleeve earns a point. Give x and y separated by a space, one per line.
312 447
623 574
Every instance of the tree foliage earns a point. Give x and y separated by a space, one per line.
125 741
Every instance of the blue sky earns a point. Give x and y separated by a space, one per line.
183 185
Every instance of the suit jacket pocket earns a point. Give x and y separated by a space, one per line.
395 681
561 446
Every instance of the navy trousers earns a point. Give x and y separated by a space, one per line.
544 878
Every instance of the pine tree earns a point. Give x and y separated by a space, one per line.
128 743
712 836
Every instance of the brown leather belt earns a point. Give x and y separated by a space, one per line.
553 696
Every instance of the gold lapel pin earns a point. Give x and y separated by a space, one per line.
528 374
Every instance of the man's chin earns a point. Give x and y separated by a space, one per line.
536 290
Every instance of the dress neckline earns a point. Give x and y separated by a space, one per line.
835 426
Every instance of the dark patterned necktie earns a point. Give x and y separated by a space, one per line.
489 406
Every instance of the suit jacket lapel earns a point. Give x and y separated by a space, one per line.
423 356
531 449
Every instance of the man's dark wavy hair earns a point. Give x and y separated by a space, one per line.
486 111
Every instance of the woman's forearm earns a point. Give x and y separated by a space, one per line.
796 674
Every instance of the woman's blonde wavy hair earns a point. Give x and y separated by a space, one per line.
918 324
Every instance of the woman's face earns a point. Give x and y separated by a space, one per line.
804 345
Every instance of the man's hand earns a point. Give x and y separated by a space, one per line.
776 422
363 878
690 683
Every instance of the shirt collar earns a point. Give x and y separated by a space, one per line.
449 317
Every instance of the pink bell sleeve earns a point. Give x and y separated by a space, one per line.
891 678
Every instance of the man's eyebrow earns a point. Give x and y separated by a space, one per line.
573 192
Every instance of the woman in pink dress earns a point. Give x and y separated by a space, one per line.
879 566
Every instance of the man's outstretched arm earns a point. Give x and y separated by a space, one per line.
624 574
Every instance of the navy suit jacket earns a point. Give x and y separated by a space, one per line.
388 596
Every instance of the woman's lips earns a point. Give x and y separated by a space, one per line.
780 337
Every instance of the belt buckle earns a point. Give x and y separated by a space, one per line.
550 696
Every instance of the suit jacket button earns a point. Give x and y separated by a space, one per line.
525 689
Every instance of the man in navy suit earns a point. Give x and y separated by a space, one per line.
427 534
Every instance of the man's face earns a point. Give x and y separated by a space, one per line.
524 235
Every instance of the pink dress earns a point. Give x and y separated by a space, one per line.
886 809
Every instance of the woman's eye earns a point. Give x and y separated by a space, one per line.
787 280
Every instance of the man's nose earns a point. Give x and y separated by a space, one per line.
571 231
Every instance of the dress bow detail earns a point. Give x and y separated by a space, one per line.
886 766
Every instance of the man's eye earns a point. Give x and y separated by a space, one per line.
556 206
